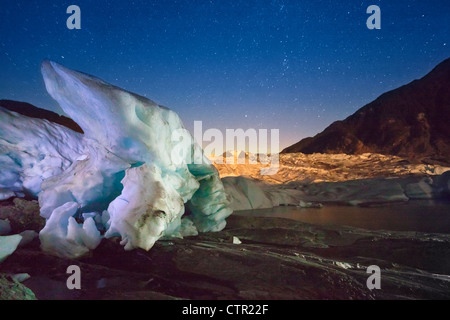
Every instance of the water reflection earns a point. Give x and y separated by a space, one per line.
422 216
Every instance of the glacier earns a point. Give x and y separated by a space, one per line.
312 180
125 176
248 193
8 244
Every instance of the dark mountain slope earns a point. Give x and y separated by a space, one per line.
412 121
31 111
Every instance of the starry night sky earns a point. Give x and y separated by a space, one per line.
294 65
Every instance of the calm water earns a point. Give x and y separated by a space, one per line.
423 216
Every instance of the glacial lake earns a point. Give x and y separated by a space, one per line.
418 215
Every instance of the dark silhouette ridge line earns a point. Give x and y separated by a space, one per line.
411 121
29 110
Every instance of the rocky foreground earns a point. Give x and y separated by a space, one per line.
277 259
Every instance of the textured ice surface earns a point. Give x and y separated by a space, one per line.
32 150
126 176
8 244
146 196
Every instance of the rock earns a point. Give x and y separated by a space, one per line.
11 289
23 215
277 259
27 237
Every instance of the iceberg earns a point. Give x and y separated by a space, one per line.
125 176
8 244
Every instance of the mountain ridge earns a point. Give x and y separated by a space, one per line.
411 121
29 110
